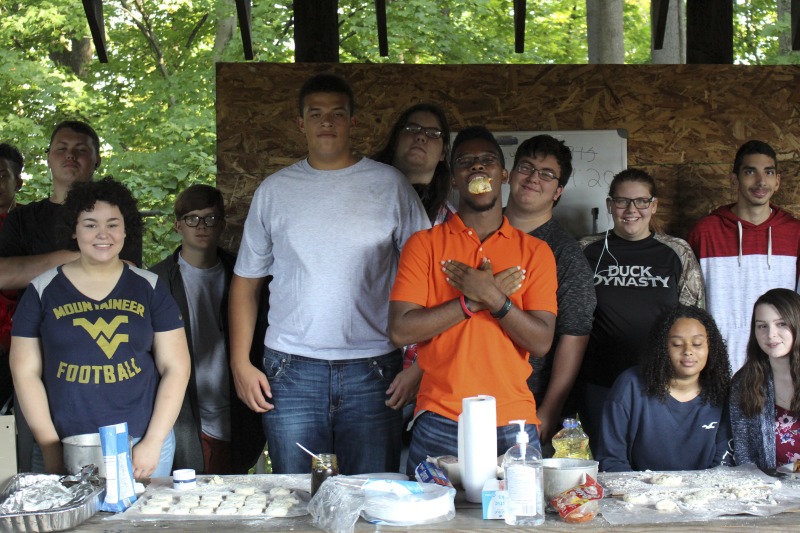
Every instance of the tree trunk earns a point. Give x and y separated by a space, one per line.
226 26
604 24
673 51
78 57
785 39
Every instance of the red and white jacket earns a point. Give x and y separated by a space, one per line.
740 262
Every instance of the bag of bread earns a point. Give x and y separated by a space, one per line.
581 503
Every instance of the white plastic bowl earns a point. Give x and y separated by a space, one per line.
563 474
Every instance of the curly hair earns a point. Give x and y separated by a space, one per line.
756 368
657 371
83 197
434 194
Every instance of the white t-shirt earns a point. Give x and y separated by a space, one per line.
331 239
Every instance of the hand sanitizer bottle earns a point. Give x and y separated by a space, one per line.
524 483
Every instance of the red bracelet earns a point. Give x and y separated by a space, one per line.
464 307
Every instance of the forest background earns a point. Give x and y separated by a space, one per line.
153 102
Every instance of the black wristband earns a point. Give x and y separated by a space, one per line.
503 310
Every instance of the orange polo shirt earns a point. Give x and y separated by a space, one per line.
475 356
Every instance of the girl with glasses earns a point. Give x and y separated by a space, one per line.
639 273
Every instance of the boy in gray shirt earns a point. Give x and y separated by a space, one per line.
329 229
215 432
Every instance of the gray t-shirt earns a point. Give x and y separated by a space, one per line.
205 288
575 294
331 240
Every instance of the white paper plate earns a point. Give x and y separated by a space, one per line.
787 469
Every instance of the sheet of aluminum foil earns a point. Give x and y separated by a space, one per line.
36 503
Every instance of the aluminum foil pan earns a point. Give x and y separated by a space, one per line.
85 504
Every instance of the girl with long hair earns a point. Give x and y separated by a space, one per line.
765 397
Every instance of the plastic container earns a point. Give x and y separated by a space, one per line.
524 482
184 479
571 442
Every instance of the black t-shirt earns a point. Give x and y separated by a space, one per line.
635 282
36 229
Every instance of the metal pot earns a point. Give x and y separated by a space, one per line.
563 474
81 450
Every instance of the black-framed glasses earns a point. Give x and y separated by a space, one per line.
638 203
527 170
193 220
431 133
468 161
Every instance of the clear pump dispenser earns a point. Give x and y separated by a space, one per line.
524 483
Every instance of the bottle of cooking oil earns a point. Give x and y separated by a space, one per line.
571 442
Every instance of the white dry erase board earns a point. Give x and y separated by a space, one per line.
597 155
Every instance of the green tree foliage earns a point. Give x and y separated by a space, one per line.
153 103
757 33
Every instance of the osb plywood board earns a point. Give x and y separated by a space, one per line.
684 122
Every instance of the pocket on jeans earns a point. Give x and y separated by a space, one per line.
275 366
385 368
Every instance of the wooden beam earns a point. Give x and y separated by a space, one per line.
383 40
94 14
519 25
316 31
246 27
795 24
660 12
709 32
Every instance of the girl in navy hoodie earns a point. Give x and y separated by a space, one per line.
669 412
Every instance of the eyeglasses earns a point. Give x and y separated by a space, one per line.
193 220
638 203
527 170
468 161
431 133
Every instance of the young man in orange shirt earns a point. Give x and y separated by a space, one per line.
474 329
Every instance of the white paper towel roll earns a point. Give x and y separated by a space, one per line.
477 444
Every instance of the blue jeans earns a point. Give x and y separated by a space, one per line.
332 407
164 468
436 435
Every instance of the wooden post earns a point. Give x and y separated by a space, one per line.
519 25
659 10
316 31
94 14
383 40
709 32
245 26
